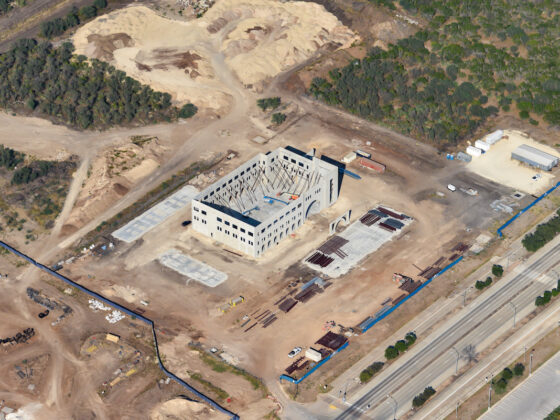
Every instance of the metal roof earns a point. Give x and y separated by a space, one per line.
535 155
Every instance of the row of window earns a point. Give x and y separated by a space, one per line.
235 235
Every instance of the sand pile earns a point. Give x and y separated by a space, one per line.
253 39
180 408
110 177
270 36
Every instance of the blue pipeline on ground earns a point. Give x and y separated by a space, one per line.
523 210
373 322
132 314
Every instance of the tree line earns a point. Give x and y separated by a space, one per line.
5 6
52 81
58 26
9 158
544 233
473 60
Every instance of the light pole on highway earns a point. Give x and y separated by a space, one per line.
531 362
456 361
490 392
524 354
395 406
514 312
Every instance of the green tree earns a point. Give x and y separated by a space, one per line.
497 270
188 111
278 118
539 301
391 352
507 374
401 346
518 369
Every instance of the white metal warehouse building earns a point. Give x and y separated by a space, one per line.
534 157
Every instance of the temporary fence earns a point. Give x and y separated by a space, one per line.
380 316
314 368
523 210
132 314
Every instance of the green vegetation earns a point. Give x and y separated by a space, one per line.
370 371
554 415
547 296
219 392
483 284
272 103
39 187
220 366
497 270
392 352
420 399
543 234
9 158
278 118
7 5
188 111
77 92
58 26
501 381
472 60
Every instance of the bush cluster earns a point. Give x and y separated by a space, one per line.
58 26
9 158
272 103
5 6
81 93
424 396
371 370
483 284
278 118
400 346
543 234
497 270
500 383
547 296
451 76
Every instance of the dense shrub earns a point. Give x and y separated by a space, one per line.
9 158
479 285
421 398
272 103
371 370
497 270
58 26
278 118
77 92
544 233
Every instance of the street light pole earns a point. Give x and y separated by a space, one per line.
457 410
490 392
394 407
456 361
514 312
531 362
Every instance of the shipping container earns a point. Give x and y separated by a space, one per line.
363 154
371 164
494 137
482 145
474 151
350 157
313 354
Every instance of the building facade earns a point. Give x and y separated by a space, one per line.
264 200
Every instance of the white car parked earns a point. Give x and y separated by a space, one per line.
294 352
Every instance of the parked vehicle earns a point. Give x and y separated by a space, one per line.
295 351
451 187
186 223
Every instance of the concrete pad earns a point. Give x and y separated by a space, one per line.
497 165
137 227
362 241
194 269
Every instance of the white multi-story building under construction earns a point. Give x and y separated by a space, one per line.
266 199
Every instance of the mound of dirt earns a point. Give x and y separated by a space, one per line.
180 408
111 176
254 39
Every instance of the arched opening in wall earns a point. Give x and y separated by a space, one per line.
268 246
293 227
340 225
312 209
299 223
281 235
262 248
287 230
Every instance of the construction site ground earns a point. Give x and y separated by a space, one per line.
189 315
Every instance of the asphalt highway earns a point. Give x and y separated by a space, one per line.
479 324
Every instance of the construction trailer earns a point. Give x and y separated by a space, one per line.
474 151
482 145
494 137
313 354
534 157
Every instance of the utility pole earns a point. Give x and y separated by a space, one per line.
457 410
531 362
514 312
524 355
394 407
456 361
465 297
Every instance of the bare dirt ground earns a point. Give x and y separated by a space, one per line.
224 53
